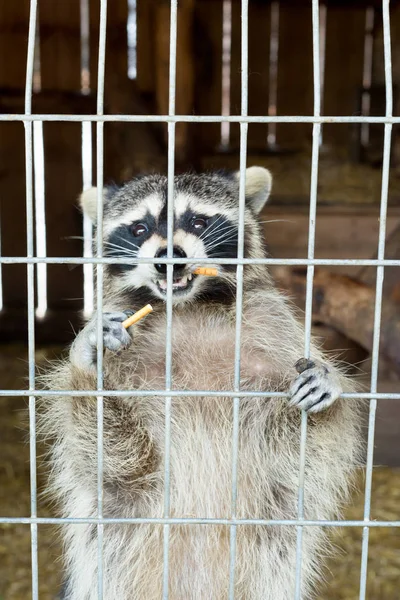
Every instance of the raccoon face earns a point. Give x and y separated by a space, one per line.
205 226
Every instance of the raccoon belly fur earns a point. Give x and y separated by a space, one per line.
200 460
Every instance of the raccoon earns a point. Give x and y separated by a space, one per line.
203 349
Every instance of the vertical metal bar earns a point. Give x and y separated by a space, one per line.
378 295
39 187
170 268
40 218
99 239
31 293
310 278
88 272
273 72
226 71
239 293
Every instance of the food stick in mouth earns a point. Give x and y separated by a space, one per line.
143 312
208 271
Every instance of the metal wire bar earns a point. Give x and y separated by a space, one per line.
31 294
40 217
198 118
239 288
184 393
170 269
238 337
99 272
378 296
88 271
310 278
72 260
195 521
39 186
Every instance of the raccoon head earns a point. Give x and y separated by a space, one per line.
206 218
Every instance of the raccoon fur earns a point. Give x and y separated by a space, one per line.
203 349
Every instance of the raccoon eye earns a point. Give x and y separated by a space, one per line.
199 223
139 229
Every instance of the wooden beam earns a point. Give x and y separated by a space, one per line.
348 305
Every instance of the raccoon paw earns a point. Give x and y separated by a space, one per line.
315 388
83 352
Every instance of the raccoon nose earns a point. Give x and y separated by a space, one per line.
177 253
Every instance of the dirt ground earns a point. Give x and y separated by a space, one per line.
342 576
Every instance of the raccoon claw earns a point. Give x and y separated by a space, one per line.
303 364
115 338
315 388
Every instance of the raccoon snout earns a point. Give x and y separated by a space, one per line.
177 253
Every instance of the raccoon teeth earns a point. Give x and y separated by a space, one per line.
180 283
190 277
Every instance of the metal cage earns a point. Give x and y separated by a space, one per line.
31 259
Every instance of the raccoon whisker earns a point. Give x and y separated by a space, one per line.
130 243
125 251
212 227
276 221
228 241
215 227
225 230
222 240
211 230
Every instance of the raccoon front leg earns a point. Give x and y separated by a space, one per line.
316 387
83 353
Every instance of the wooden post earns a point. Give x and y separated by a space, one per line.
184 70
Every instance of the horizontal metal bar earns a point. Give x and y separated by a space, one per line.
75 260
193 521
185 393
199 118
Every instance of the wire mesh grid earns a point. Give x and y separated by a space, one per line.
169 393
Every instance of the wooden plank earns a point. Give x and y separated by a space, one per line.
185 81
339 234
295 74
208 74
259 40
14 21
343 69
60 49
184 71
60 54
13 211
14 18
145 46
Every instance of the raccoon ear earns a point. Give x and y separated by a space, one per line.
88 202
258 187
